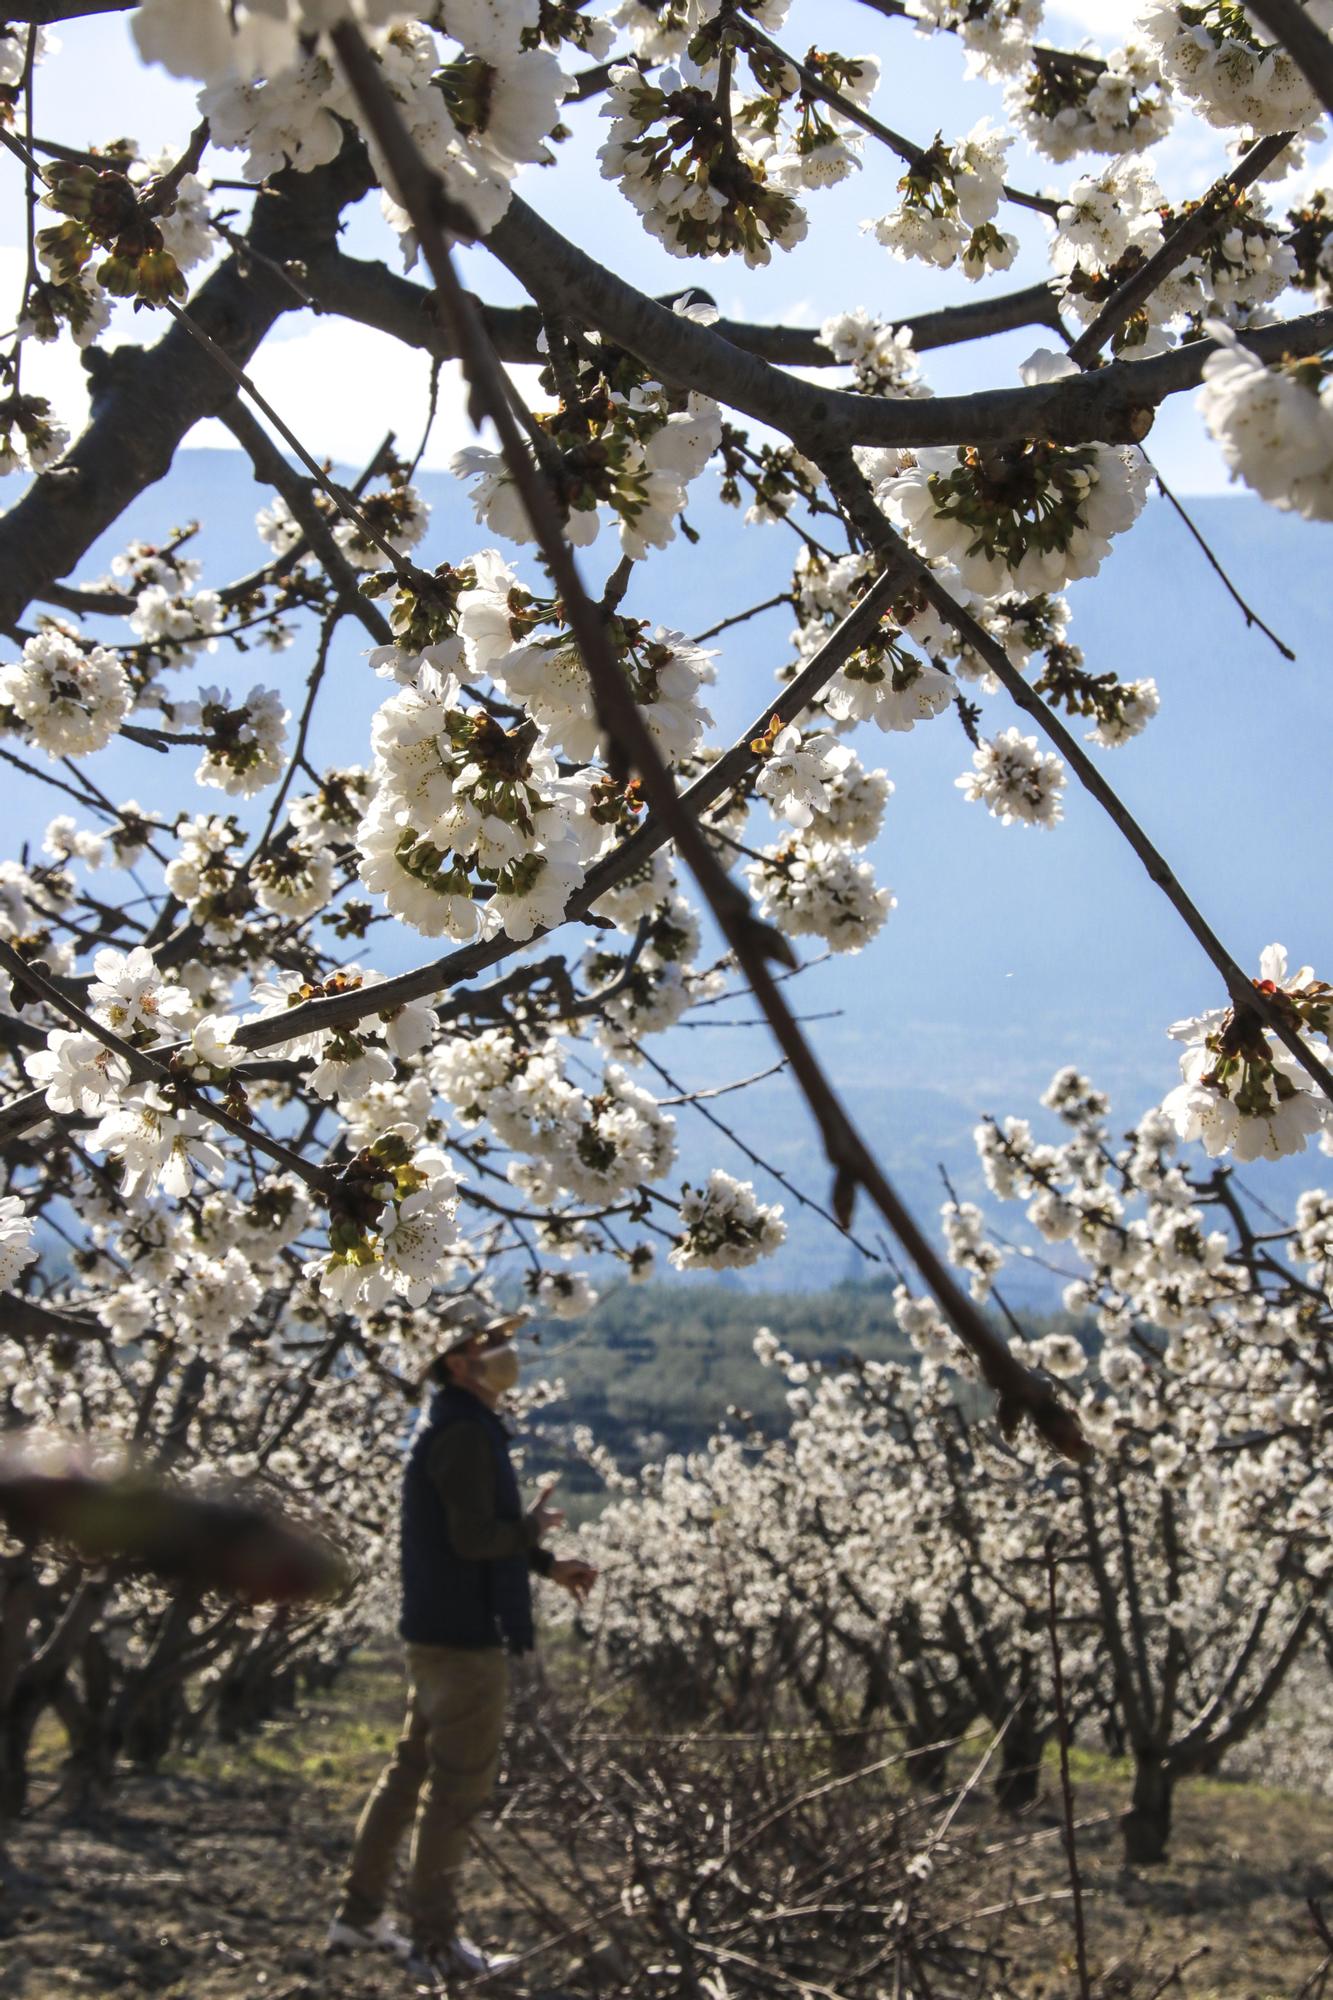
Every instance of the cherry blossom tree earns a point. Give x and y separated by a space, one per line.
888 1558
244 1163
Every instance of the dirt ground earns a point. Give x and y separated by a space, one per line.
214 1880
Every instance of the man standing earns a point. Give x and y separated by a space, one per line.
468 1550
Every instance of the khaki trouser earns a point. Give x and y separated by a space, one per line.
441 1772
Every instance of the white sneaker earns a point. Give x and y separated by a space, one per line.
470 1958
381 1935
434 1966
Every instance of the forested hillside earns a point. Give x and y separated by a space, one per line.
654 1368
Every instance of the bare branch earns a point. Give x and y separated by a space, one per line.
1114 404
272 469
44 13
376 296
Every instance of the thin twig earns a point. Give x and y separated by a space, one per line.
1066 1786
739 617
814 86
341 499
1250 615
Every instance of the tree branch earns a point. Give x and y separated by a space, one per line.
343 1009
813 85
272 469
146 399
1184 239
373 295
1114 404
44 13
856 497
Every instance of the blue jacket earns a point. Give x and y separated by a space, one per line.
449 1599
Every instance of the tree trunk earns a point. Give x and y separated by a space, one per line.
1146 1827
927 1766
93 1728
152 1727
17 1724
1019 1776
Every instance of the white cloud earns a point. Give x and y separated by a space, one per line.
1112 21
341 386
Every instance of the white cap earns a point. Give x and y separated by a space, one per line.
464 1317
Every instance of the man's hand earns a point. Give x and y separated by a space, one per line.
574 1576
547 1519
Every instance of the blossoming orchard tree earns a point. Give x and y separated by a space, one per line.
888 1558
245 1163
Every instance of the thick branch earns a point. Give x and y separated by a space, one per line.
375 296
43 13
1114 404
146 399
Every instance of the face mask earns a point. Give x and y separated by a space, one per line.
498 1368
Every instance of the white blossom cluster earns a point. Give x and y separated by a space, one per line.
947 216
1213 56
448 800
31 438
726 1226
711 180
16 1245
178 621
1026 518
1274 425
280 97
1015 780
997 34
1069 105
881 355
653 985
545 673
69 700
596 1147
650 455
1243 1091
1113 221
